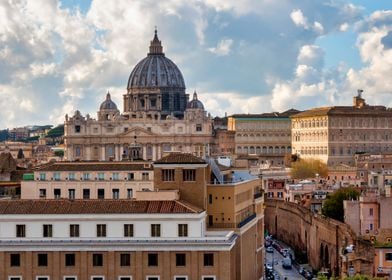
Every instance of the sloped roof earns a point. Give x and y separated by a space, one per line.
64 206
183 158
95 166
284 114
345 110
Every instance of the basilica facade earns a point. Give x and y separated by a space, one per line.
158 118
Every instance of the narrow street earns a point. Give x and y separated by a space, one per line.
276 258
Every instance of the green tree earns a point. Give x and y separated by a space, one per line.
308 168
59 153
333 205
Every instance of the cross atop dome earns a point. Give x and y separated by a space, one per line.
155 45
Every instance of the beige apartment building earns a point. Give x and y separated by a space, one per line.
262 138
88 180
335 134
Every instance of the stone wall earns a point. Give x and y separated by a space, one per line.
322 239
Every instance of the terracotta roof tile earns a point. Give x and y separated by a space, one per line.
63 206
345 110
95 166
176 157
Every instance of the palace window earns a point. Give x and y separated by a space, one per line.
155 230
77 128
180 259
189 174
182 230
47 231
128 230
86 193
74 230
14 259
125 259
97 259
199 127
208 259
42 259
115 193
168 175
101 230
152 259
20 230
69 259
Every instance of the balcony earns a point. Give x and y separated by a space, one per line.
233 225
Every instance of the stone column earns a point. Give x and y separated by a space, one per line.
117 155
154 152
144 152
103 152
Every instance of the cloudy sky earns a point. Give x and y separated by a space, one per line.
248 56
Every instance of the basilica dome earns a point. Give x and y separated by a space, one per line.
156 70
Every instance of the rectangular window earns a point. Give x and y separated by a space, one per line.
86 176
125 259
145 176
208 259
47 231
180 259
42 176
42 278
71 176
371 212
199 127
74 230
208 278
71 194
70 278
42 259
152 278
129 193
42 193
97 260
152 259
115 193
124 278
14 277
56 176
388 256
128 230
131 176
77 128
97 278
101 176
182 230
57 193
370 226
210 199
14 259
69 259
180 277
86 193
20 230
101 230
167 175
189 175
101 193
155 230
116 176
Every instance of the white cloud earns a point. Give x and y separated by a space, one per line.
344 27
299 19
223 47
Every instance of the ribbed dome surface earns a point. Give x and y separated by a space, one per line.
156 70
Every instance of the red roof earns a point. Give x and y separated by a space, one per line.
121 206
182 158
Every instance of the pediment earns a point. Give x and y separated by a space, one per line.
137 131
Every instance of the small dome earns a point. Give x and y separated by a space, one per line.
195 103
108 104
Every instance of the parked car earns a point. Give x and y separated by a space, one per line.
269 250
286 263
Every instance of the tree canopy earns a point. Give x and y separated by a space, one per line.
308 168
333 205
